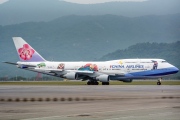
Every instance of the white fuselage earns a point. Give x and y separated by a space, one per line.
123 70
116 69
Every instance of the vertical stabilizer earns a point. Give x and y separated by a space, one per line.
25 52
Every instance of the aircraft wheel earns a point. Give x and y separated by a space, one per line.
96 83
158 83
105 83
89 83
92 83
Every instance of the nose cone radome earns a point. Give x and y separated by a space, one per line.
176 70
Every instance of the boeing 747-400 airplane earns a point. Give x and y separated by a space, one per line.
122 70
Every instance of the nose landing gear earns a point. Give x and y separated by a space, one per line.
159 81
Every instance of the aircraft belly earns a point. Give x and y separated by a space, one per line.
154 73
149 74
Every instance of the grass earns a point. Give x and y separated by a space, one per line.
147 82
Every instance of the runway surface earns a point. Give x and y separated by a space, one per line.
94 102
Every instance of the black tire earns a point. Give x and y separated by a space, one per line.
96 83
105 83
92 83
89 83
158 83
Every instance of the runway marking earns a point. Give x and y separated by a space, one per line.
63 99
62 116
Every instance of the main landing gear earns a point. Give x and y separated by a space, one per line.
105 83
96 83
159 81
92 83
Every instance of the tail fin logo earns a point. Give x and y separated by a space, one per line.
26 52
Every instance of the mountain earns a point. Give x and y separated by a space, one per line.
169 52
19 11
82 38
89 37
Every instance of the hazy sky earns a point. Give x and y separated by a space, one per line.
90 1
2 1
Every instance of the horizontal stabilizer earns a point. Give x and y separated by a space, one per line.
11 63
20 65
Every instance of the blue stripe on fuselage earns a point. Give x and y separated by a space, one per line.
146 74
156 72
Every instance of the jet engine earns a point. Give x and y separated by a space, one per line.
103 78
71 76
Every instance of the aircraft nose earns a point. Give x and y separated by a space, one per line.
176 69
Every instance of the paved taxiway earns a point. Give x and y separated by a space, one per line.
110 103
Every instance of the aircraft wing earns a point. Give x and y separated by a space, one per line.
81 71
60 70
81 74
120 74
51 70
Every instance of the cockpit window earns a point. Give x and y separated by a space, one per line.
164 61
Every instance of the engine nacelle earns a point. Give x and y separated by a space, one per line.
71 76
22 66
103 78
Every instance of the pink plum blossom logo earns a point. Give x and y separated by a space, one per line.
26 52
